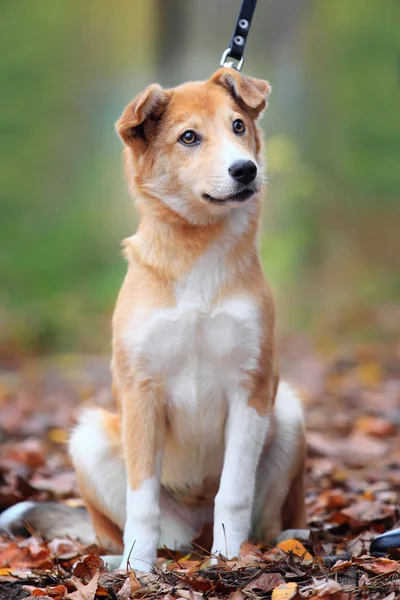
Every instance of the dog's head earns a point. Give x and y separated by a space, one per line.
196 149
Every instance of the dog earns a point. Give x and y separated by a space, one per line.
205 437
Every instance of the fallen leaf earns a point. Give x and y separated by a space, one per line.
295 547
341 565
249 549
285 591
56 592
365 512
88 566
84 592
134 582
326 587
379 566
274 555
266 582
126 590
28 554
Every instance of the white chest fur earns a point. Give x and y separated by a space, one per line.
195 351
201 358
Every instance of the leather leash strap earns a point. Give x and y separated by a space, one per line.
238 41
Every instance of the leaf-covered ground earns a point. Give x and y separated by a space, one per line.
352 402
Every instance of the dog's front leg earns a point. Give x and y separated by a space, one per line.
143 440
245 434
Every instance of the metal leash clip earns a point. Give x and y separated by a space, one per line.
230 64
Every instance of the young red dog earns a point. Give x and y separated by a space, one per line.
204 434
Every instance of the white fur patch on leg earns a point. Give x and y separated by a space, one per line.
142 528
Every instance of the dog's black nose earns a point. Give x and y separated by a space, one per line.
243 171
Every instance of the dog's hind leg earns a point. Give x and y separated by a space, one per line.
96 451
279 500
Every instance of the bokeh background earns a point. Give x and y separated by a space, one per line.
330 237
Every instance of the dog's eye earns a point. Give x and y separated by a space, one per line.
238 126
189 138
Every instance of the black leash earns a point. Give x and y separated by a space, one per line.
238 41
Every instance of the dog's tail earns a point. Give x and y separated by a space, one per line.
48 520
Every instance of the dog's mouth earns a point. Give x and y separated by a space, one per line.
239 197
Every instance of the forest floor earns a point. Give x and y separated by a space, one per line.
352 402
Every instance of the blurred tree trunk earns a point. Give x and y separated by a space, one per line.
172 38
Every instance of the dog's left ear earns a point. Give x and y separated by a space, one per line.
249 91
148 106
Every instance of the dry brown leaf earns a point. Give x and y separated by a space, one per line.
57 592
266 582
84 592
134 582
285 591
249 549
327 587
126 590
27 554
88 566
379 566
274 555
188 566
341 565
364 512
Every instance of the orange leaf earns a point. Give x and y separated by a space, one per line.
58 436
285 591
297 548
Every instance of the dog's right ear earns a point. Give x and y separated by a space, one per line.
147 106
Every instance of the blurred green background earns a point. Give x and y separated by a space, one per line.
330 238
